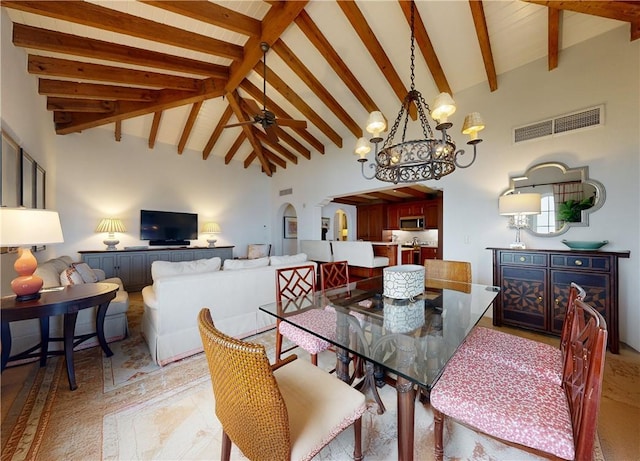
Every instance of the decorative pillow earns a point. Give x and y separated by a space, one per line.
236 264
87 274
161 269
70 277
288 259
257 251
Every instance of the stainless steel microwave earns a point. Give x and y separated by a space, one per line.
412 223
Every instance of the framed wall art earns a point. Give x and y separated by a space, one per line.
10 166
290 227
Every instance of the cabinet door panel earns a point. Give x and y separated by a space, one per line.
523 297
132 270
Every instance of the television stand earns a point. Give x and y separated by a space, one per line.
177 243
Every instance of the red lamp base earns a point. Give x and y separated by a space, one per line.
26 286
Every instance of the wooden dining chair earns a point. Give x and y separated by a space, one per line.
438 270
295 287
288 411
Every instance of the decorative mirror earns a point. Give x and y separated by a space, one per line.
568 196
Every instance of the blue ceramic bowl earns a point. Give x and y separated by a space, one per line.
585 245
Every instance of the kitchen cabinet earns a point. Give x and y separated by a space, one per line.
133 267
371 222
428 253
534 287
433 214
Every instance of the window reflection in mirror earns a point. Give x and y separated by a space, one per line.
567 196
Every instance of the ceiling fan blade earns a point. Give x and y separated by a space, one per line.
270 130
252 106
248 122
292 123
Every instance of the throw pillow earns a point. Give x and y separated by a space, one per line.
161 269
237 264
70 277
288 259
87 274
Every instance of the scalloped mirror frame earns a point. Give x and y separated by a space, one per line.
551 171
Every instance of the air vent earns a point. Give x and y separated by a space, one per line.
286 192
580 120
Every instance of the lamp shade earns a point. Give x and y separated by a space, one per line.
29 226
443 107
111 225
376 123
519 204
211 228
362 147
472 124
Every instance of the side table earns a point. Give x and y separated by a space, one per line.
68 302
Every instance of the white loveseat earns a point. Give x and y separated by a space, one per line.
26 333
360 256
233 294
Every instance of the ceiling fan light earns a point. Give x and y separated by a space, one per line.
473 123
376 123
443 107
362 147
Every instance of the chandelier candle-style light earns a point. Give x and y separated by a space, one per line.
417 160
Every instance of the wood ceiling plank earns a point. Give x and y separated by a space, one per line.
480 23
426 47
215 135
167 99
47 40
554 36
314 84
273 107
55 67
315 36
89 14
627 11
155 125
411 191
370 41
385 197
191 120
234 148
233 99
213 14
79 105
281 87
275 22
65 88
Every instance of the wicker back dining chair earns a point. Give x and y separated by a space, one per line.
439 273
288 411
295 287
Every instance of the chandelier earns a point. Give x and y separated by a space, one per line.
422 159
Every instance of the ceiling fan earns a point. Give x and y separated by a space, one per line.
264 117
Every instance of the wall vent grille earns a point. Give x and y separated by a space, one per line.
587 118
286 192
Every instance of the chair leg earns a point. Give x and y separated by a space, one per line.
225 454
357 444
438 419
314 359
278 344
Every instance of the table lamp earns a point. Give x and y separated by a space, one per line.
518 207
111 225
23 227
211 228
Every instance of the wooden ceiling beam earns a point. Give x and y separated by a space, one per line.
257 147
213 14
47 40
234 148
553 31
273 157
55 67
67 89
411 191
104 18
314 84
79 105
480 23
155 125
285 90
293 142
275 146
426 47
370 41
317 38
168 99
385 197
191 120
217 131
118 131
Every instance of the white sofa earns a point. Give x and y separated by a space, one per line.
233 294
360 256
26 333
317 250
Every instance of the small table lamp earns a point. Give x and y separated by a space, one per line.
111 225
519 207
211 228
23 227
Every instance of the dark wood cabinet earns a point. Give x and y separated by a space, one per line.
428 253
534 287
371 222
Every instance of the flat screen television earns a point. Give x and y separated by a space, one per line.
168 227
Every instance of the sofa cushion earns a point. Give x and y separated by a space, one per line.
237 264
49 274
161 269
70 276
288 259
87 274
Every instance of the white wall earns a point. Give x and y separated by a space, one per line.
602 70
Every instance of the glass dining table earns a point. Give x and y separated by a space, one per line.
411 339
